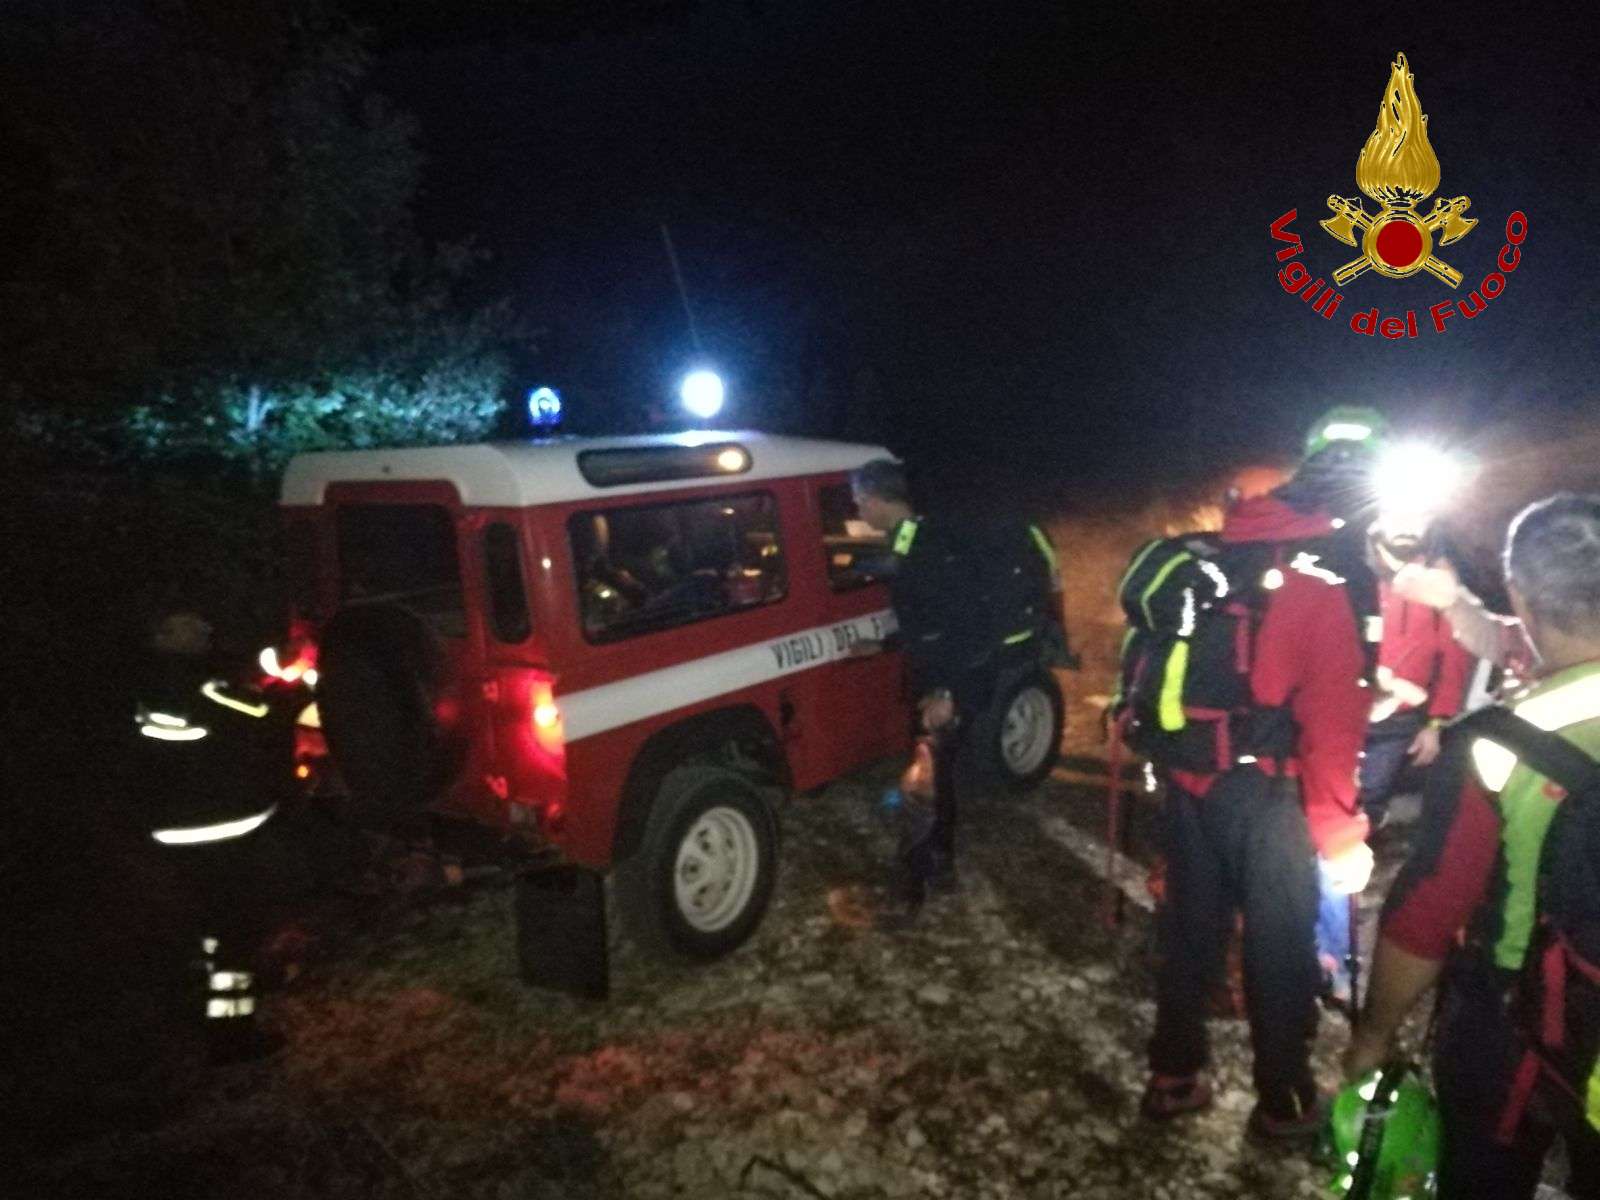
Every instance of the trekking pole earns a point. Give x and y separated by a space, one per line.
1113 911
1352 961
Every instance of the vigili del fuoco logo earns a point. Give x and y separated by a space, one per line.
1398 170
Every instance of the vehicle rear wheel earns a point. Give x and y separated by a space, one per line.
701 879
1017 741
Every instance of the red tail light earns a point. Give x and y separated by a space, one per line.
547 723
544 775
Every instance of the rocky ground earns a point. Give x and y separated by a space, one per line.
994 1050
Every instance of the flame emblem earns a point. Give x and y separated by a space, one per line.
1398 169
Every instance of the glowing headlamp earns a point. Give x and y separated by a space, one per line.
1413 481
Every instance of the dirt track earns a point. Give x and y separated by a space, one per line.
996 1050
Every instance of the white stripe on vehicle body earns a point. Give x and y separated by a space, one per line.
613 705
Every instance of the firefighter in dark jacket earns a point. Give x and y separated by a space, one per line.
1254 838
206 754
971 599
1477 867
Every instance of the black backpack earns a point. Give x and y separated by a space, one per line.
1194 606
1017 582
1556 1002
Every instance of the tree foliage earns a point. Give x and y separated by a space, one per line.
222 257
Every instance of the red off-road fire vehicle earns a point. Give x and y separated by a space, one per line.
625 650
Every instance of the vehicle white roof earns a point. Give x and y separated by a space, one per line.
520 474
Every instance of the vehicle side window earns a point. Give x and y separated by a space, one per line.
508 598
403 554
653 567
857 553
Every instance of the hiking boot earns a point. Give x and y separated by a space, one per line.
1309 1118
1169 1096
900 920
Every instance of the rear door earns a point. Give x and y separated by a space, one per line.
414 546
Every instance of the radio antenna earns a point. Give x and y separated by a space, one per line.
683 292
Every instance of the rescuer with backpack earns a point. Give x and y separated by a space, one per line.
1244 680
1510 852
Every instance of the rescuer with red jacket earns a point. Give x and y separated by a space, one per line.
1422 676
1252 838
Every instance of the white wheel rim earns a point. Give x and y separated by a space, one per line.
1026 731
715 872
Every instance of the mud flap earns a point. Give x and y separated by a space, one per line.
561 930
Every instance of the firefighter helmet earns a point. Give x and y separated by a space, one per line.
1353 426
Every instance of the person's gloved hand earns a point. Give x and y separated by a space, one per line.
1347 872
1435 587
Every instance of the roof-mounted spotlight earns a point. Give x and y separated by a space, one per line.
702 393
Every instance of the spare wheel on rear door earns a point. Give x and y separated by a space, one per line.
383 681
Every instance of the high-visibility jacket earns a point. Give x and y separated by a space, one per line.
1478 859
210 760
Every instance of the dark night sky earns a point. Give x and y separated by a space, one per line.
1041 220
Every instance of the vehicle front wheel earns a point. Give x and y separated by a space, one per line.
701 879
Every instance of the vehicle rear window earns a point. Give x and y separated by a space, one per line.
857 553
508 598
300 555
403 554
656 566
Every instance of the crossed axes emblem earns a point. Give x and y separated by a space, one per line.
1407 247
